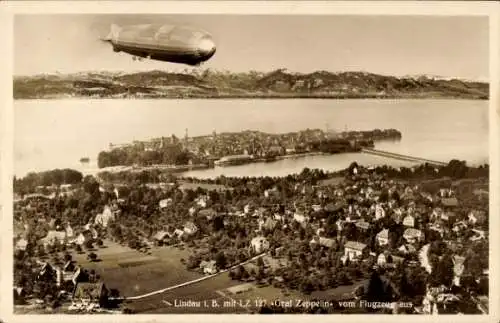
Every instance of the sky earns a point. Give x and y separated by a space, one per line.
390 45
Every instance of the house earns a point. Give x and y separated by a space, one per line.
69 231
300 218
21 244
382 237
458 269
476 217
53 237
436 213
247 209
160 236
449 202
409 221
459 226
46 273
354 249
179 233
209 214
363 225
70 272
407 249
448 216
19 295
438 228
259 244
269 224
412 235
105 217
190 228
209 267
94 233
445 192
383 258
478 235
379 212
202 201
165 203
83 237
90 295
322 241
316 207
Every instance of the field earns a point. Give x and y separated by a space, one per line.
134 273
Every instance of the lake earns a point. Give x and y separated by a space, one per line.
56 134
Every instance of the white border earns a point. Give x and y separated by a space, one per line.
435 8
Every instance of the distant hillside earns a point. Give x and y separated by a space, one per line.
213 84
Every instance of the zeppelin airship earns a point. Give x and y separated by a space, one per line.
168 43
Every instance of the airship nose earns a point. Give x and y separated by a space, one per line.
206 47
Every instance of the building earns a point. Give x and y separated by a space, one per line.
458 269
164 203
354 249
449 202
363 225
322 241
209 267
259 244
383 237
21 244
300 217
412 235
90 295
409 221
160 236
105 217
190 228
53 237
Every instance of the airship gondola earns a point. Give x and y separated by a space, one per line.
168 43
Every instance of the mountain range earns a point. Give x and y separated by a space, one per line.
215 84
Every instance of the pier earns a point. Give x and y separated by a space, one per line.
401 157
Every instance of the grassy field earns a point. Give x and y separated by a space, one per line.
135 273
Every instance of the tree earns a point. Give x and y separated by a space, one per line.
67 257
443 272
376 290
220 260
88 244
92 256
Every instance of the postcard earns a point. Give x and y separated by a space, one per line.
178 159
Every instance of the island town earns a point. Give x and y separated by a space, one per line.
415 238
239 148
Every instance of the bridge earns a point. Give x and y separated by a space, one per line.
402 157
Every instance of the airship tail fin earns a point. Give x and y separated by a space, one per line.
114 30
